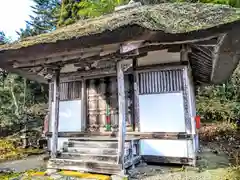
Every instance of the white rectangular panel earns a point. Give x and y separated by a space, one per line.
69 116
165 148
162 113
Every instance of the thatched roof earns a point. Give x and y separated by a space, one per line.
165 23
173 18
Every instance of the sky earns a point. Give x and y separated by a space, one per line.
13 14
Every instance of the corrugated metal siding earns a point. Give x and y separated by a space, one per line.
165 81
69 90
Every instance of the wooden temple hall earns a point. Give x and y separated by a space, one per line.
122 86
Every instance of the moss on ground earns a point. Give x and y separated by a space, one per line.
9 150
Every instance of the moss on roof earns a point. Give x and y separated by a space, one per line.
171 18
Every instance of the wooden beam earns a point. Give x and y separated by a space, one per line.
26 74
136 135
64 60
85 58
169 160
91 73
184 53
121 114
165 66
55 119
68 57
130 46
56 55
40 62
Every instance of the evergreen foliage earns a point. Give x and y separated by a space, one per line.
3 39
44 20
220 102
73 10
20 99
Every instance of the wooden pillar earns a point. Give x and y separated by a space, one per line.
83 105
121 114
189 120
50 99
55 119
134 97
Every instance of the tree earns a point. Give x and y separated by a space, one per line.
46 15
20 97
234 3
28 31
220 102
3 38
73 10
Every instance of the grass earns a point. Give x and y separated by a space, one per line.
10 151
26 175
225 136
232 173
35 173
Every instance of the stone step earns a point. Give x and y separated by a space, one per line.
88 157
94 144
86 166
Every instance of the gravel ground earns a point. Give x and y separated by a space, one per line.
210 166
33 162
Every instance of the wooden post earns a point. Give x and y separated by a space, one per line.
134 99
122 114
50 100
83 105
55 119
189 121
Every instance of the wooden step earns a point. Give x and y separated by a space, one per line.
95 144
86 150
86 166
88 157
102 139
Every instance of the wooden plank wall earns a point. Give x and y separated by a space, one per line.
69 90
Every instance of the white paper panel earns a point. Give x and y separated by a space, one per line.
162 113
69 116
165 148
